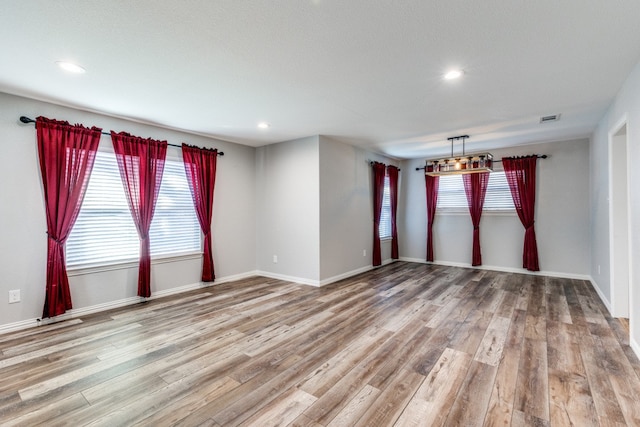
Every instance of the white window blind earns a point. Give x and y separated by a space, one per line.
498 197
452 198
385 216
104 232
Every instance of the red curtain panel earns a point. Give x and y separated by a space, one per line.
66 156
141 164
378 194
475 187
431 184
392 172
200 168
521 176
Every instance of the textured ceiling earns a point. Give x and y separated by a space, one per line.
366 71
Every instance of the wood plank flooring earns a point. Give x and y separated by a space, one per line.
403 345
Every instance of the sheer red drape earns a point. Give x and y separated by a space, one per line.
431 184
521 176
66 156
378 194
475 187
141 163
200 168
392 172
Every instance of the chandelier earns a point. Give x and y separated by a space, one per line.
465 163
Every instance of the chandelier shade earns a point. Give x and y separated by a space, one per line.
470 163
462 164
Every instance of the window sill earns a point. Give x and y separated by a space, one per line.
484 213
81 270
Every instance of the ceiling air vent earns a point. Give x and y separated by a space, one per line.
552 118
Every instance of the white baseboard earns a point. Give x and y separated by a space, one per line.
416 260
355 272
83 311
17 326
632 342
286 278
234 277
323 282
502 269
386 261
634 346
346 275
603 298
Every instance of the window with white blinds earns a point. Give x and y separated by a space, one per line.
104 232
385 215
452 198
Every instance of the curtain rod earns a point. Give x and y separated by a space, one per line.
540 156
25 119
371 162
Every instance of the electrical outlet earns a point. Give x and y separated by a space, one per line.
14 296
364 252
275 259
598 268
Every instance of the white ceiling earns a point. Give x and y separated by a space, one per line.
366 71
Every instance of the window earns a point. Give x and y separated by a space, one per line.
104 232
452 198
385 215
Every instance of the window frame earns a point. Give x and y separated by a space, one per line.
386 207
82 268
463 209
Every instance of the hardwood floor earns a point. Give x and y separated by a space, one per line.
403 345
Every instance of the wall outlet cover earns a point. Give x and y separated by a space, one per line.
14 296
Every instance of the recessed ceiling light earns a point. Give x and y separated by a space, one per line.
264 125
71 67
453 74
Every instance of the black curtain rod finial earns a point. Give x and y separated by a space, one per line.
25 119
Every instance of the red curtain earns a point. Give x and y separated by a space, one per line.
475 187
378 194
200 167
431 183
521 176
392 172
141 163
66 157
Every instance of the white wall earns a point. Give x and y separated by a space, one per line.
562 217
314 210
23 244
288 211
346 208
625 108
